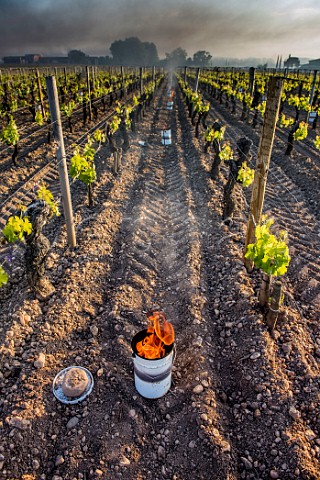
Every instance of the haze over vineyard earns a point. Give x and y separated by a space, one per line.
228 29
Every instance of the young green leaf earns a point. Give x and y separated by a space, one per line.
44 193
226 153
245 175
3 276
302 132
16 228
10 134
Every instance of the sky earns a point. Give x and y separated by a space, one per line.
225 28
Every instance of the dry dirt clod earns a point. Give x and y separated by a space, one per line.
72 422
94 330
59 460
41 360
247 463
161 452
124 462
20 423
294 413
255 356
274 474
198 389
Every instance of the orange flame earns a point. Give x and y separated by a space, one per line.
159 334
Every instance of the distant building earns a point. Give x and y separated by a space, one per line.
38 60
13 60
312 65
291 62
29 59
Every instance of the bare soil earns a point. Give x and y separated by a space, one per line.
244 404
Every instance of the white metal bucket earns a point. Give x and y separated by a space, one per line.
166 137
152 378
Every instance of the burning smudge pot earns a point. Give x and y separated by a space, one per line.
153 354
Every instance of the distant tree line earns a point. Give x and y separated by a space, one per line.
134 52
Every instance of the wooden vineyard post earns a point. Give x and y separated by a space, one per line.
313 86
251 80
185 74
314 81
122 78
141 80
197 80
93 78
89 92
263 161
61 158
40 95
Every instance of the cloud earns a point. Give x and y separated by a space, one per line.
228 28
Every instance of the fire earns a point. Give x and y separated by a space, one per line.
159 334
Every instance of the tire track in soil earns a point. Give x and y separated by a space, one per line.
286 201
158 266
243 383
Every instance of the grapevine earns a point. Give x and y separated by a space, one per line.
269 253
68 109
302 131
82 165
212 134
99 136
10 134
245 175
226 152
20 228
114 126
39 117
262 107
44 194
285 122
16 228
238 171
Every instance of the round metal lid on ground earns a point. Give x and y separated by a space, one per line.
58 390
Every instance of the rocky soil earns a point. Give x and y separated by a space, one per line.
244 404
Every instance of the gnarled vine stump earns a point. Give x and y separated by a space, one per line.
229 200
115 150
215 168
37 248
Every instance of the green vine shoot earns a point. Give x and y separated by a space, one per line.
270 253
